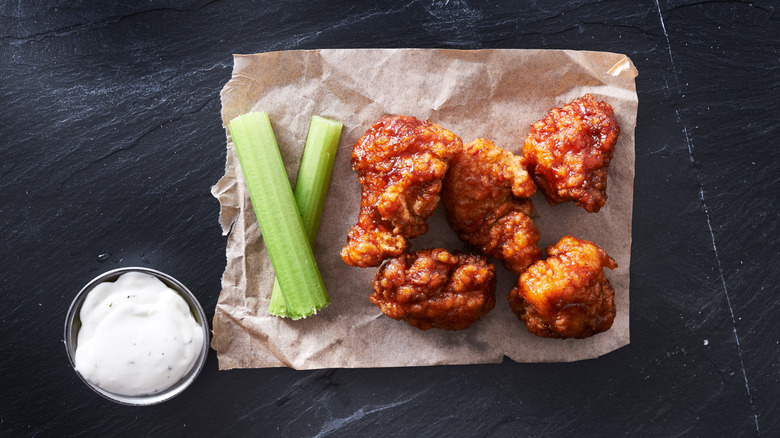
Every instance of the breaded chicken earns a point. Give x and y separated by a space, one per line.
569 151
567 295
432 288
485 197
400 162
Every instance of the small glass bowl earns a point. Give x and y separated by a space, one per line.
73 324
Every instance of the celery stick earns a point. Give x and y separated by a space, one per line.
312 187
272 199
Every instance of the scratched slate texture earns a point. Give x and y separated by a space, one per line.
110 138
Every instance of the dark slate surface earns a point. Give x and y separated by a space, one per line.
110 138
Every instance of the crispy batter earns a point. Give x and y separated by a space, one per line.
432 288
400 162
569 150
484 197
567 295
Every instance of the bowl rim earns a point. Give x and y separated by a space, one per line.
71 336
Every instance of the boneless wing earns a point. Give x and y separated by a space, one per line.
569 151
432 288
567 295
400 162
485 197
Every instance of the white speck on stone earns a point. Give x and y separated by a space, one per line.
706 342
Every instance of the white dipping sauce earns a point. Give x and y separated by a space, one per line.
137 336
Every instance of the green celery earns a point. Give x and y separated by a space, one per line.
272 198
311 187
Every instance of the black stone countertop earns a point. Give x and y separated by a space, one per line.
110 138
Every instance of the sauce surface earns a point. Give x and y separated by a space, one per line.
137 336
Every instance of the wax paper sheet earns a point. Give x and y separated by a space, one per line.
493 94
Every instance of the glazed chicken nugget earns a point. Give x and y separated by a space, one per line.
569 151
432 288
400 162
567 295
484 195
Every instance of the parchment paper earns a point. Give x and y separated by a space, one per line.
493 94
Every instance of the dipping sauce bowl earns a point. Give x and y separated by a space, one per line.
73 324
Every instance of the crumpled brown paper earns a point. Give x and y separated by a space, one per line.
493 94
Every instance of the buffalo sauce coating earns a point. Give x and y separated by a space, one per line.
485 196
569 151
433 288
567 295
400 162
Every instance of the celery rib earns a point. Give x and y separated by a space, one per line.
302 289
311 188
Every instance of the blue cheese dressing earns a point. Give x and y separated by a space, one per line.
137 336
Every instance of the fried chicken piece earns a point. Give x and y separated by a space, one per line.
400 162
484 197
567 295
569 150
432 288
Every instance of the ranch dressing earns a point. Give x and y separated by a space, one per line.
137 336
